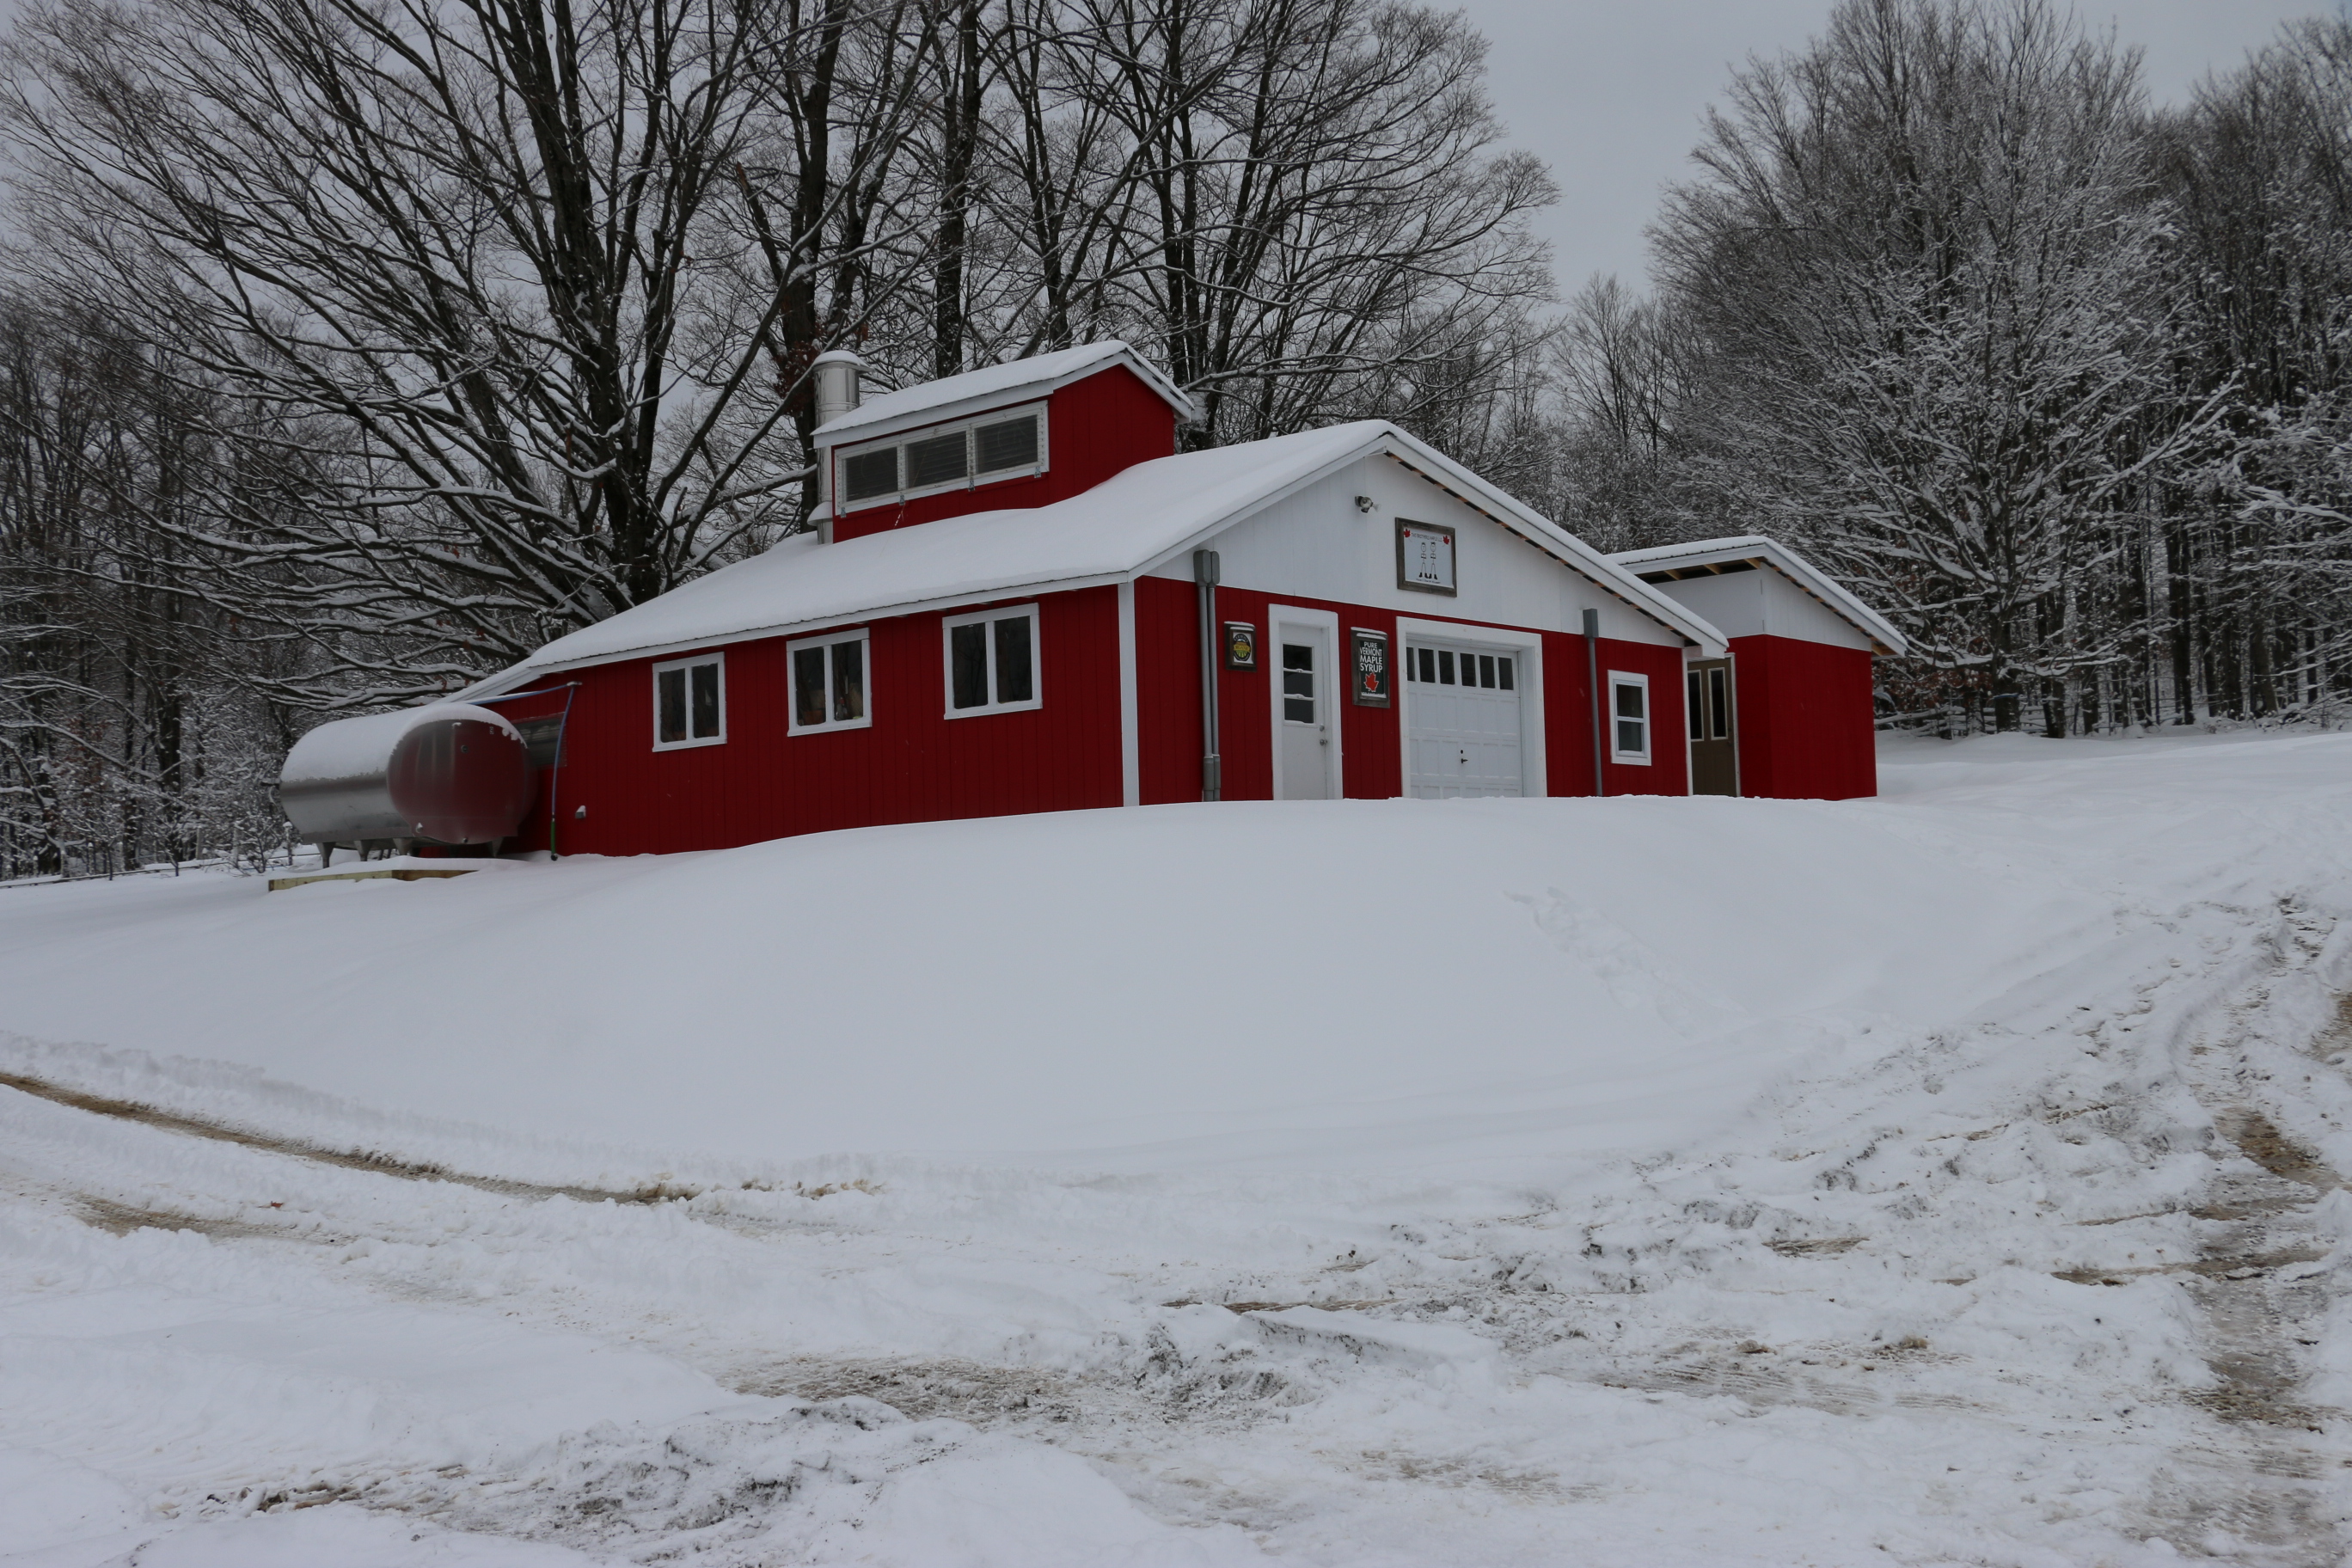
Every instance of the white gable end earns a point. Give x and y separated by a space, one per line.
1318 543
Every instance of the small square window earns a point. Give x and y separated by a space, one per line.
1629 710
991 662
690 702
829 683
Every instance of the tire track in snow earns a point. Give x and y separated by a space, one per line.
2259 1299
347 1159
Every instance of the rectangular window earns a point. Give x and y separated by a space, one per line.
690 702
865 474
1006 444
1629 716
1425 666
936 461
991 662
1719 690
829 683
1445 666
1696 700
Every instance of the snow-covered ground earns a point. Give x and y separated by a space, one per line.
1949 1178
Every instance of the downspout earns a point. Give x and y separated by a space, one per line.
1592 680
555 771
1204 578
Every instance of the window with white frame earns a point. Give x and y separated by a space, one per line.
828 676
991 662
1009 444
1628 717
690 702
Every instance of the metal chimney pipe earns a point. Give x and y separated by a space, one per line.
837 385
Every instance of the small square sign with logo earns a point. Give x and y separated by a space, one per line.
1371 668
1240 646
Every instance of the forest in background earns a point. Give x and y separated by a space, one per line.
351 349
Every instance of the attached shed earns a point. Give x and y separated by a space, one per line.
1790 711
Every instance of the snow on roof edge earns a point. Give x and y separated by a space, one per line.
1048 371
1803 572
1291 463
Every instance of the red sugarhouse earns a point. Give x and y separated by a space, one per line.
1021 597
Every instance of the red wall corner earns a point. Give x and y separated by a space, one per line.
1808 720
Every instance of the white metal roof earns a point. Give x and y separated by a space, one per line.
1780 557
995 384
1130 524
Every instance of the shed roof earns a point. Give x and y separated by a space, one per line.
1700 557
1128 525
997 383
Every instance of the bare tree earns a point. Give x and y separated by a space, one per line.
1299 204
1921 265
474 287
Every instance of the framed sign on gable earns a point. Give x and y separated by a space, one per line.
1425 557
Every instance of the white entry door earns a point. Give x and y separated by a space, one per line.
1461 706
1305 715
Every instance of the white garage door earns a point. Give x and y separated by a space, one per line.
1462 702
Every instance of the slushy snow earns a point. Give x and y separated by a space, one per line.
1948 1178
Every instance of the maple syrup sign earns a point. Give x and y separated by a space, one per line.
1371 669
1425 557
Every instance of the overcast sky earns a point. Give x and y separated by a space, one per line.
1609 92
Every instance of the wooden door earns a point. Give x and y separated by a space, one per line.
1714 728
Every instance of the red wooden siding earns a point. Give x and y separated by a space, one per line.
1807 722
913 763
1094 427
1372 754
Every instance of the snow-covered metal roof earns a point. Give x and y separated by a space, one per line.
1130 524
1755 547
994 385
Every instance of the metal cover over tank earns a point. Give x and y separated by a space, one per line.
448 773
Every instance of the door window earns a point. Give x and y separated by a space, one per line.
1298 683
